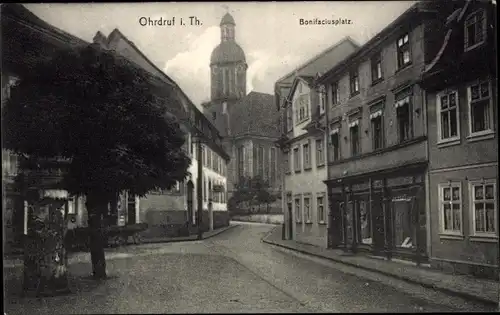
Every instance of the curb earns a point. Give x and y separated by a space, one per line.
188 238
410 280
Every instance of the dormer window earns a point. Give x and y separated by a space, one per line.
475 30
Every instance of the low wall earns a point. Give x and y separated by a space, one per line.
261 218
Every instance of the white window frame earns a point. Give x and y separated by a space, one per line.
488 133
450 185
320 161
335 93
302 108
298 212
400 43
456 138
321 219
467 22
307 211
296 168
472 208
72 200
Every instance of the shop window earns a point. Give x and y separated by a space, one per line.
450 208
403 223
403 48
484 207
448 116
365 223
480 109
298 216
475 30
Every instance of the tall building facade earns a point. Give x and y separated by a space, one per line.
248 123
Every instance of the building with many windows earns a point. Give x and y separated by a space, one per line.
461 91
377 140
303 144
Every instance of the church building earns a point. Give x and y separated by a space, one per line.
248 123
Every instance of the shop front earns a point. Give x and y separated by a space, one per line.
381 213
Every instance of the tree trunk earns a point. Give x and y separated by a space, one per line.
97 206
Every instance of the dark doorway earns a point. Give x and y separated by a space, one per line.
131 209
190 194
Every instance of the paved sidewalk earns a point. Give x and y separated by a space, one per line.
122 251
461 285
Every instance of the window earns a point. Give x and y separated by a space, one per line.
480 108
306 151
214 115
288 162
450 208
260 162
307 209
272 166
320 152
298 217
484 207
322 100
335 94
296 160
354 133
403 115
354 82
335 144
475 29
448 119
225 80
209 158
302 108
71 205
404 57
377 130
321 209
241 159
289 118
190 144
376 68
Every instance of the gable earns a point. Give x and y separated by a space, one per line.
299 88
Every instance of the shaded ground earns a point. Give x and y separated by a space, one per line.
231 272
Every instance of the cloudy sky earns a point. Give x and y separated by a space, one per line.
270 34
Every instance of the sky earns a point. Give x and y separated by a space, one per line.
269 32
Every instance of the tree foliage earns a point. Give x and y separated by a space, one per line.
99 110
252 191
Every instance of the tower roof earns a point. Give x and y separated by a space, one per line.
227 19
227 52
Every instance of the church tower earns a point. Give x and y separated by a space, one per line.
228 76
228 65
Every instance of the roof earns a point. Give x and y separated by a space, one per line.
254 115
419 7
20 12
323 60
227 52
227 19
319 63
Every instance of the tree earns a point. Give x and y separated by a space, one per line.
262 192
102 113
